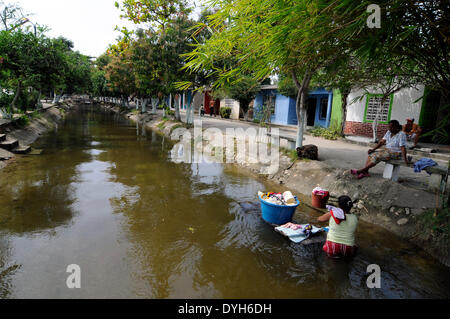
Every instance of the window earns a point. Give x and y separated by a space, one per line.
374 107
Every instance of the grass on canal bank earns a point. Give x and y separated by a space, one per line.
437 222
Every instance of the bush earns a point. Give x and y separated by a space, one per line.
225 112
327 133
5 100
169 112
23 121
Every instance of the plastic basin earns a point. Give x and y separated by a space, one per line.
278 214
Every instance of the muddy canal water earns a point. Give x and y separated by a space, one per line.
105 195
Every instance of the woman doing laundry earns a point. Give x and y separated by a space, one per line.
341 235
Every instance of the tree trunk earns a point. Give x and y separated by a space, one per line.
154 105
39 104
14 101
177 109
375 129
442 119
190 110
144 103
302 97
344 98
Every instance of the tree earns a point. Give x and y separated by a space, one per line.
11 16
33 61
120 75
263 37
156 50
156 13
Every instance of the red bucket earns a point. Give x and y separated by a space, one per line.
320 201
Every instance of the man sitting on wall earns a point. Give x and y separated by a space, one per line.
412 132
395 149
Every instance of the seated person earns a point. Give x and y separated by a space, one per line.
341 235
412 132
395 142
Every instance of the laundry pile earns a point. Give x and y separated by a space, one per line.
285 199
299 233
320 192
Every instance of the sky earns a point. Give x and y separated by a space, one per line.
89 24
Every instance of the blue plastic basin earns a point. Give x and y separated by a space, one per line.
278 214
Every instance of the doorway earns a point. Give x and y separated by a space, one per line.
311 111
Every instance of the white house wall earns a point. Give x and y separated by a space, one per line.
403 106
234 105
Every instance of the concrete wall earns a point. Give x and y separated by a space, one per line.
336 112
234 105
403 105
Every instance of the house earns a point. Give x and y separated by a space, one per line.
324 109
362 110
319 104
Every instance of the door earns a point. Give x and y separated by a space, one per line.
311 111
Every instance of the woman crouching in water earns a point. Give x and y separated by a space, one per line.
341 236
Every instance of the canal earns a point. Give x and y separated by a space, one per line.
104 195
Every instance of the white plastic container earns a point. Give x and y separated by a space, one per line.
289 198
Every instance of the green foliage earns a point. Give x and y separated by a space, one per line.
5 100
437 221
23 121
162 124
225 112
35 115
156 12
168 111
441 134
292 154
327 133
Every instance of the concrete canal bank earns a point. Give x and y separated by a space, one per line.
17 137
402 210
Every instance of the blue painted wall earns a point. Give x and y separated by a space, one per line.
259 100
285 109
